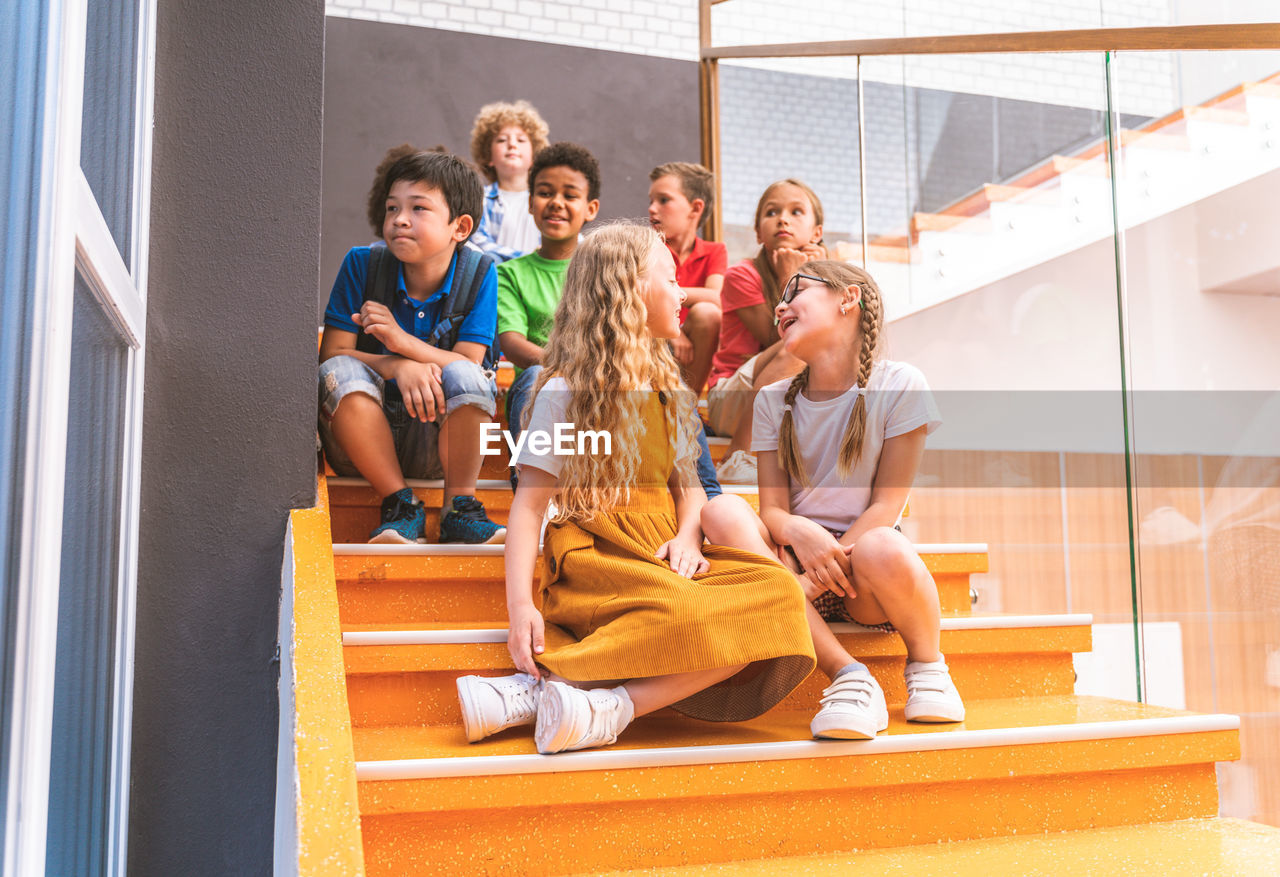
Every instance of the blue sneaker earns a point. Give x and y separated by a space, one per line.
467 522
404 520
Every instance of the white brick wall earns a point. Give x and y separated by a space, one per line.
669 28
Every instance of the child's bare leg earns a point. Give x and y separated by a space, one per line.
360 427
728 520
702 328
893 584
468 389
655 692
774 365
652 693
460 452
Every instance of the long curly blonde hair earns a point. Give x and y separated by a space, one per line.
839 276
600 345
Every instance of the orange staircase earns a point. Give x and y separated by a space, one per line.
382 632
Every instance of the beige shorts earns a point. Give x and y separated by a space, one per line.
730 398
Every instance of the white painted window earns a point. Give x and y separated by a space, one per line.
80 91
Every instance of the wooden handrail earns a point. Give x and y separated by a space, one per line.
1184 37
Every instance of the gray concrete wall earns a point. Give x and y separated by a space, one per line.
229 424
386 84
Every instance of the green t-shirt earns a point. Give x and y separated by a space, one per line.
528 291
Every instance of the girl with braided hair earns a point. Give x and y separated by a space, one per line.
838 447
633 612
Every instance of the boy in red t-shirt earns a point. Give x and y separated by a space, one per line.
680 195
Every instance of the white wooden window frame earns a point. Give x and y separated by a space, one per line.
73 237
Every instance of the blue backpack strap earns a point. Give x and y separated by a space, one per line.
468 276
380 284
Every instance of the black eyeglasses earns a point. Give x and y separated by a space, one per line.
792 289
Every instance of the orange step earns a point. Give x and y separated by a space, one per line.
414 584
1186 848
399 677
354 506
674 791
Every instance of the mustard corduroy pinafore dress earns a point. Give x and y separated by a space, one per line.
616 612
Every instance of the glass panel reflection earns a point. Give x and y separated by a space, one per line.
1202 278
79 777
106 138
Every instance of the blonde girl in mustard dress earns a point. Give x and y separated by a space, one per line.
636 612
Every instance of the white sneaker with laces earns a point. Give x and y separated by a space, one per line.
931 695
490 705
738 468
853 708
570 718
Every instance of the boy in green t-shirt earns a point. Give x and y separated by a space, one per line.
564 195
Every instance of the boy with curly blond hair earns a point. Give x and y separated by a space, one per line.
504 140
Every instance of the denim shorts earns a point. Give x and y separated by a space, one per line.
417 443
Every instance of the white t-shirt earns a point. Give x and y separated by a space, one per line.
898 401
517 230
550 407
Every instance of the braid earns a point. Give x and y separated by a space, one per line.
788 452
855 430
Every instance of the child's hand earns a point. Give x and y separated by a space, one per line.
811 588
824 560
684 559
420 388
787 261
682 349
526 638
377 321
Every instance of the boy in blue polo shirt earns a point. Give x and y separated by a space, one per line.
409 400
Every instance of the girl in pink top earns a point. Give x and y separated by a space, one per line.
789 229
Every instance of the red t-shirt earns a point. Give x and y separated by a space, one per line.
742 289
706 259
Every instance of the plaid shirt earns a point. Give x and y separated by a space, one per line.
486 236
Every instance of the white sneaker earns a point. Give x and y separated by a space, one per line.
853 708
738 468
931 695
570 718
490 705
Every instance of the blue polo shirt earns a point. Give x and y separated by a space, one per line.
418 318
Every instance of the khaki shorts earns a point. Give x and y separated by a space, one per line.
730 398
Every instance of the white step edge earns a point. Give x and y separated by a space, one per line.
624 759
494 484
436 549
499 634
420 483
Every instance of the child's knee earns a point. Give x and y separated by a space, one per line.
882 550
463 382
702 320
344 376
724 514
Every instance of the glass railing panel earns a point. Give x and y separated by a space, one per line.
993 239
760 22
777 122
748 22
1202 292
